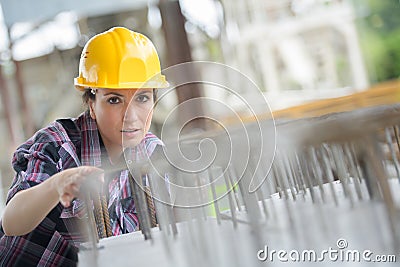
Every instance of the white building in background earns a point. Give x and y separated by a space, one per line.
294 50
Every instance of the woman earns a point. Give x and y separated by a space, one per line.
118 73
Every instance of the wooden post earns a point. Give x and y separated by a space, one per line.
5 99
27 122
178 51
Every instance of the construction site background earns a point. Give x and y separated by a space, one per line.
309 58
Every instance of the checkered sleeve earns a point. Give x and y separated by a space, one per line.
51 243
33 166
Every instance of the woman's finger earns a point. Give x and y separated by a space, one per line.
65 200
89 170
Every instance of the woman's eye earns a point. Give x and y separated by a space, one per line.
113 100
142 98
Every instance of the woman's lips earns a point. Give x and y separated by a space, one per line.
130 133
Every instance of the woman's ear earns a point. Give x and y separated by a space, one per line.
91 109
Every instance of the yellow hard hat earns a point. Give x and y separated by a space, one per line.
119 59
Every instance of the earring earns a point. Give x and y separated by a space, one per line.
93 91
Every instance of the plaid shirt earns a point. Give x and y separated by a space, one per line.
65 144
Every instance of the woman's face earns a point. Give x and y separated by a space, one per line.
123 116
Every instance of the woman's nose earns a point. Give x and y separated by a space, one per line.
130 113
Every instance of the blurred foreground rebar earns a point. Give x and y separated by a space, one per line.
332 186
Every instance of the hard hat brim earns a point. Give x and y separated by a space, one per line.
160 82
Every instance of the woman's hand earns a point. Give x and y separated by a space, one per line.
29 207
68 183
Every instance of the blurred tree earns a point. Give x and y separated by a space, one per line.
380 37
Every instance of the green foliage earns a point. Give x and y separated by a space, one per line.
391 59
380 37
388 11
